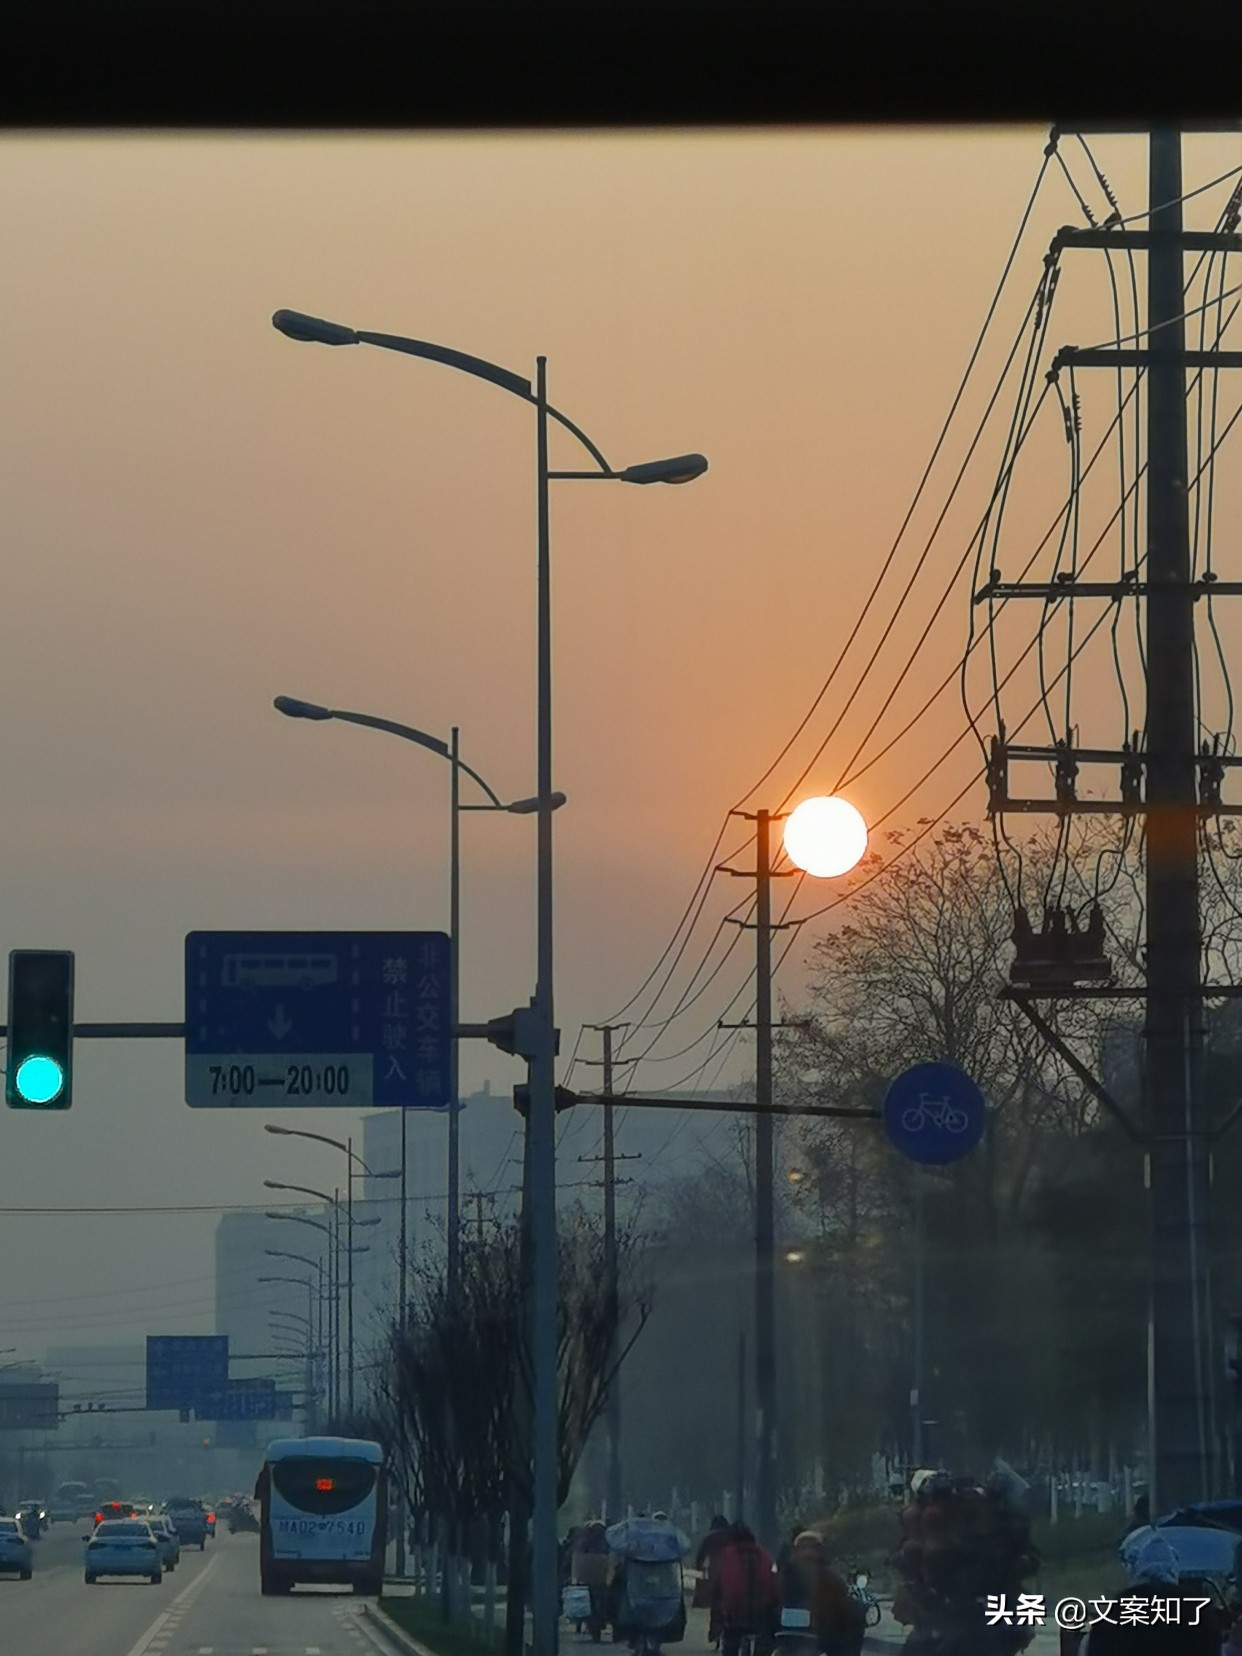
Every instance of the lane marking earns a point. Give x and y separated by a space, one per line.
161 1621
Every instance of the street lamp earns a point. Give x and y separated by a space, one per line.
333 1341
537 1041
351 1156
824 838
317 1266
350 1249
294 708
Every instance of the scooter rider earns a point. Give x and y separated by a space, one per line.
809 1582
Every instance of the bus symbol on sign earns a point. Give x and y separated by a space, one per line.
244 971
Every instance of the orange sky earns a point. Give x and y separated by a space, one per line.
200 514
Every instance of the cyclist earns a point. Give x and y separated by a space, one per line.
747 1593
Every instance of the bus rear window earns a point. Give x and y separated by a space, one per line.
323 1486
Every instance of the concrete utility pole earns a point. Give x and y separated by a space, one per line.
1180 1427
613 1486
1182 785
612 1482
765 1216
765 1225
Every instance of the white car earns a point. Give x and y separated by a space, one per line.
123 1547
169 1540
15 1550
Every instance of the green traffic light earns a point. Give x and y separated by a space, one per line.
39 1079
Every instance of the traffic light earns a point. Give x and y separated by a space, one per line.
39 1067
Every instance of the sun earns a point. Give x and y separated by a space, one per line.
825 837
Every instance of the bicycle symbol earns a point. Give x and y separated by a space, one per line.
940 1112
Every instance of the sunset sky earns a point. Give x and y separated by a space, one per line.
200 515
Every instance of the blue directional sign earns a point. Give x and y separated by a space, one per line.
251 1399
934 1113
183 1368
340 1019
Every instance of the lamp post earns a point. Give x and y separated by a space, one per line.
537 1043
332 1323
334 1201
351 1157
309 1284
294 708
824 838
316 1265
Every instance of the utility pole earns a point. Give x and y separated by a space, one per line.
612 1481
478 1197
1177 1147
765 1226
454 1112
1175 783
739 1497
765 1218
349 1211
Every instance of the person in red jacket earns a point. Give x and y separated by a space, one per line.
705 1561
747 1592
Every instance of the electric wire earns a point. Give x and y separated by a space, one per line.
705 879
1189 195
924 554
1019 431
940 440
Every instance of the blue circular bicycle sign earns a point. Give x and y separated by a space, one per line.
934 1113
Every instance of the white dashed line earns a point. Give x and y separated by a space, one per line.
158 1632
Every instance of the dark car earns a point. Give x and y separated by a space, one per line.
189 1520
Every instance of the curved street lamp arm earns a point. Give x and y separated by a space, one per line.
304 1190
322 1138
482 369
301 1219
410 734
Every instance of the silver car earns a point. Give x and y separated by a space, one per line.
169 1540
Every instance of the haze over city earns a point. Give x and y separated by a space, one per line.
201 515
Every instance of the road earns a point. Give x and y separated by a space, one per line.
209 1605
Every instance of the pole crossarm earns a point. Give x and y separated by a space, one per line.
1068 587
1142 241
1092 356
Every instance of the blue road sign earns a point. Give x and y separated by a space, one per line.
339 1019
934 1113
183 1368
252 1399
